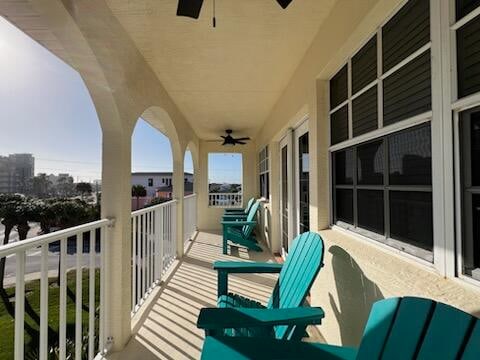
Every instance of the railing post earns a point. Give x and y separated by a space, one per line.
178 191
116 203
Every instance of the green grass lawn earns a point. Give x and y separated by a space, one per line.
32 317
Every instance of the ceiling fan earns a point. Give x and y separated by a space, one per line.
191 8
229 140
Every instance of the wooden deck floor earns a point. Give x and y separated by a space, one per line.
166 329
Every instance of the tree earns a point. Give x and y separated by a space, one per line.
41 185
139 191
65 186
16 211
84 188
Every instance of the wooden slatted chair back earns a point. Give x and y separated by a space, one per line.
297 276
417 328
252 214
249 205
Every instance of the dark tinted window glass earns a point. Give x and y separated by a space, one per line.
364 112
339 88
476 229
407 92
339 125
370 158
406 32
370 210
468 58
344 205
304 185
285 197
344 167
410 157
364 65
464 7
475 152
411 218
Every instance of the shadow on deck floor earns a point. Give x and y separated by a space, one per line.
166 329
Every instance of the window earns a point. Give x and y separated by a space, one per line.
383 187
263 170
382 180
467 38
150 182
470 139
225 180
403 82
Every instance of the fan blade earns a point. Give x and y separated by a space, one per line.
223 137
284 3
189 8
242 139
240 142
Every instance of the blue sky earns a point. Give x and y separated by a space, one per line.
46 110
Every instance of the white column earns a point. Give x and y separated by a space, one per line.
116 203
178 194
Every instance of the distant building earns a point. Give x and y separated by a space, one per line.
160 183
16 173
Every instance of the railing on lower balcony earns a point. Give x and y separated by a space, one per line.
225 200
77 256
153 248
189 216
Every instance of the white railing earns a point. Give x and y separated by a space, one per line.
225 200
78 248
153 248
189 216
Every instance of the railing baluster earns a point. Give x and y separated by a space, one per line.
149 251
78 298
162 239
63 299
103 302
144 252
91 297
134 262
43 350
19 304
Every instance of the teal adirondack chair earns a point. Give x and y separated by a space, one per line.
284 317
241 231
397 328
241 211
238 215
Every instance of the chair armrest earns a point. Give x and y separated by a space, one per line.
214 319
238 223
240 267
234 211
239 215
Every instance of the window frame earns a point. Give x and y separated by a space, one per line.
382 131
458 106
264 171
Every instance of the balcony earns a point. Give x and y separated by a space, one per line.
359 130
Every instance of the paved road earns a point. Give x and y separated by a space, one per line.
33 260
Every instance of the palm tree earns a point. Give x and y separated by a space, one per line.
16 211
84 188
139 191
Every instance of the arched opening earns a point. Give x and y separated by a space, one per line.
50 180
152 166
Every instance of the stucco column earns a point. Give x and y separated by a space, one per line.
116 203
178 193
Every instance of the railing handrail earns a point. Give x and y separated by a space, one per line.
155 207
190 196
224 193
23 245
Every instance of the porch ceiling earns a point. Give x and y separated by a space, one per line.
230 76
